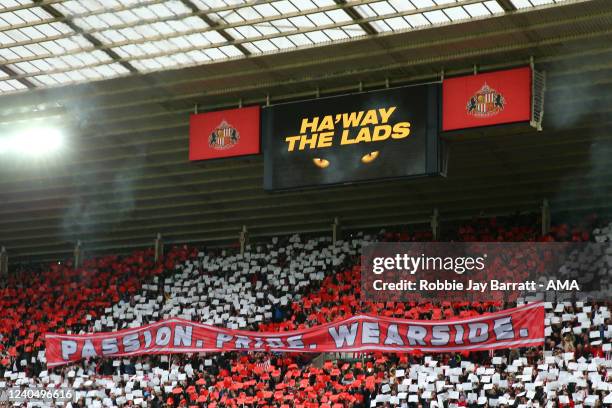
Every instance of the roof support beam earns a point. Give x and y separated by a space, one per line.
96 43
15 75
507 5
212 23
357 17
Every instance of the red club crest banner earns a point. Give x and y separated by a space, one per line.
226 133
512 328
492 98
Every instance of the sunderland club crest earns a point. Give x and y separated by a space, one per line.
486 102
223 137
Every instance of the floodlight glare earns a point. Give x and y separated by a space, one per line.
33 142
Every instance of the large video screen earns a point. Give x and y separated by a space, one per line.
352 138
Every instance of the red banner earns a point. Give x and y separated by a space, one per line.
487 99
518 327
226 133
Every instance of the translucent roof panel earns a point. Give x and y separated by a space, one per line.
520 4
59 42
9 85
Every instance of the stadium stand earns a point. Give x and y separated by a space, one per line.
184 123
111 293
236 291
63 299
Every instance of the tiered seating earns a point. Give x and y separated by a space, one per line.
64 300
286 285
235 291
573 370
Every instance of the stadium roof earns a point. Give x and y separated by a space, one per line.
56 42
127 175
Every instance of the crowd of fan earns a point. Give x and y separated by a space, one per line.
284 285
233 290
62 299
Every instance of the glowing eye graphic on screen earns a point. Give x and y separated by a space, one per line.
321 163
370 157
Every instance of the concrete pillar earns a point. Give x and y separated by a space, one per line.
336 230
435 224
78 255
545 217
159 248
244 239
